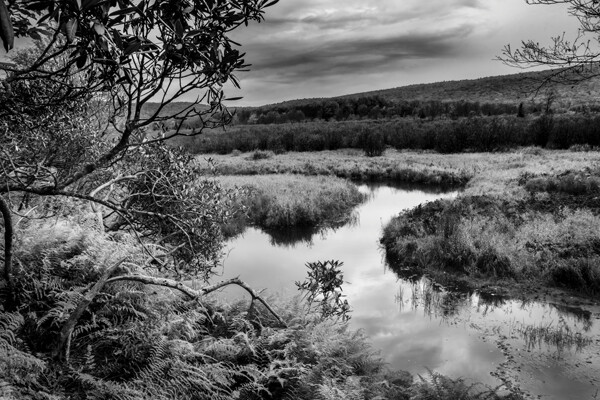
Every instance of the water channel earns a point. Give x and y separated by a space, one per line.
546 349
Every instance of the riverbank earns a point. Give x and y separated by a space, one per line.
525 220
394 166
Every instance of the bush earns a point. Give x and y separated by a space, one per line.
582 275
261 155
372 143
490 263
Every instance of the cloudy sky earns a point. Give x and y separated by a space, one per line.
322 48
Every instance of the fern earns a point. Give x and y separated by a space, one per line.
98 389
16 366
440 387
9 323
66 302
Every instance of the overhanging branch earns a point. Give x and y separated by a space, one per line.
195 294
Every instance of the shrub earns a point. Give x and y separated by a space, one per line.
490 263
578 274
372 143
261 155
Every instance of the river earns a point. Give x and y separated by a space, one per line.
545 349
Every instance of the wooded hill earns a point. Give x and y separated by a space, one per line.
496 95
519 87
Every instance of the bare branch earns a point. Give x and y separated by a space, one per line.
64 341
195 294
8 244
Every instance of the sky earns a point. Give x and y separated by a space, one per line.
324 48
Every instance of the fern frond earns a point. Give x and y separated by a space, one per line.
9 323
98 389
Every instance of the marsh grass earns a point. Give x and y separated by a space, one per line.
559 336
279 201
486 237
570 183
435 386
529 215
392 166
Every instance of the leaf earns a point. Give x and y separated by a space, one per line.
87 4
132 47
6 29
117 38
99 28
179 28
70 29
125 11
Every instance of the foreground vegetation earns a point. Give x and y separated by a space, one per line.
532 221
135 341
285 201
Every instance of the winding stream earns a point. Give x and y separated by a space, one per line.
547 350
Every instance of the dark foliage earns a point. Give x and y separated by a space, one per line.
444 136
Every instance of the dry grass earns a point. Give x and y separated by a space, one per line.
288 200
487 173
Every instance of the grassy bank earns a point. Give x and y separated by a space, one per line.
285 200
533 221
394 166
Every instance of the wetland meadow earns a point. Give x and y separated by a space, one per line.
176 227
479 266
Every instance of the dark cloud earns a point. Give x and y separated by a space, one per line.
334 14
319 48
286 63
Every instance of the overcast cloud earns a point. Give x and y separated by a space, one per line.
322 48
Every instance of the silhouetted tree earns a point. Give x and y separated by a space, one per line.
575 59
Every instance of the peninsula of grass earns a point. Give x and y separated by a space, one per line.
290 201
526 219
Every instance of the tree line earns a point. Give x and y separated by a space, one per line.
370 107
496 133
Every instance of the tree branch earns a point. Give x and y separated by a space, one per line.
63 347
195 294
8 240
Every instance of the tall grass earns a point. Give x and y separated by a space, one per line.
351 164
276 201
488 237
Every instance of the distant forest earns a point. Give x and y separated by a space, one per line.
368 107
380 108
